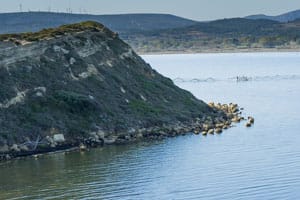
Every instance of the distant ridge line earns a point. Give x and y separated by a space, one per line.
285 17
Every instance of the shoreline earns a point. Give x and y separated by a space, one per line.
229 51
146 134
225 116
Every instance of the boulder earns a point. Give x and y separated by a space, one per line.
248 124
139 136
59 138
94 136
51 141
127 137
228 123
251 119
211 104
23 147
236 119
101 134
225 127
218 130
82 147
220 125
205 127
15 148
196 132
111 140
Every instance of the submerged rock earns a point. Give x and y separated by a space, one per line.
251 119
248 124
211 131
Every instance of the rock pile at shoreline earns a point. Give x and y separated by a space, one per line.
232 115
227 115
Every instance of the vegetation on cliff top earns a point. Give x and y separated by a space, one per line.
54 32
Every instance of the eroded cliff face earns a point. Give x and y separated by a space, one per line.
83 83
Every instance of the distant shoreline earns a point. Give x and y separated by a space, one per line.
263 50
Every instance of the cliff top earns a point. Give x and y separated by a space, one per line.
55 32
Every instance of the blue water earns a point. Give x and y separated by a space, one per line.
261 162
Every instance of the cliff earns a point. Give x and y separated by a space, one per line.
81 84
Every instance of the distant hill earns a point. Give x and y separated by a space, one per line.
232 27
286 17
220 35
34 21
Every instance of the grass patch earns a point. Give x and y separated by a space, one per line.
144 108
74 102
53 32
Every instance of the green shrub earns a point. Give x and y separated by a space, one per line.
74 102
143 108
53 32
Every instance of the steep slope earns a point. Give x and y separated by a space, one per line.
35 21
286 17
80 81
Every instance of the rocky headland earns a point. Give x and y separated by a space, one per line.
81 86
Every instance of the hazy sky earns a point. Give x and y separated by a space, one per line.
194 9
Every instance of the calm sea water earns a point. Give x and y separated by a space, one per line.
262 162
